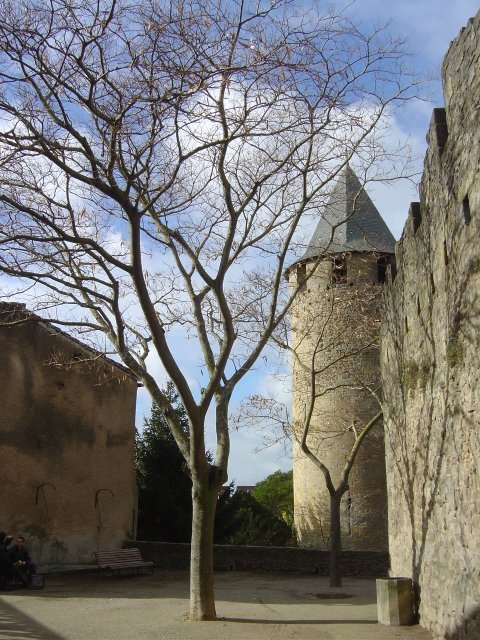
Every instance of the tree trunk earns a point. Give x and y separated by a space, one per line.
202 599
335 541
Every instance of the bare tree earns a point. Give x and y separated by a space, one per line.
157 159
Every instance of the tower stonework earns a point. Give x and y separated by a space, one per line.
335 326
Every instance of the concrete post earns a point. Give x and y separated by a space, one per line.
395 601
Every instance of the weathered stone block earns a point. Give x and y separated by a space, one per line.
395 601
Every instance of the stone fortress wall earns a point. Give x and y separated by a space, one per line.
431 364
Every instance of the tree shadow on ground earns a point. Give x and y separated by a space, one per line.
274 621
15 624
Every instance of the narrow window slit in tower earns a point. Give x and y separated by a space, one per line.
382 264
339 271
301 275
445 253
466 210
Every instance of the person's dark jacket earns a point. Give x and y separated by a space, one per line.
21 554
6 563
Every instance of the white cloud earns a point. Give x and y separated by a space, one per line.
249 466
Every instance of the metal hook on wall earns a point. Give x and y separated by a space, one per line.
40 486
99 491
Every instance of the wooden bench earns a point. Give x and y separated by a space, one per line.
119 560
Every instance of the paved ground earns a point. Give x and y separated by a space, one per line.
250 606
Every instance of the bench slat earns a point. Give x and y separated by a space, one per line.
120 561
125 565
119 552
112 562
101 558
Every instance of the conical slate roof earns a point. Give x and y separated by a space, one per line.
364 230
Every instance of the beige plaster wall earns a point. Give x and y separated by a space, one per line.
67 423
431 365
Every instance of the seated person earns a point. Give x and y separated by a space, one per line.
8 571
20 556
5 562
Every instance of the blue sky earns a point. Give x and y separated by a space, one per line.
430 27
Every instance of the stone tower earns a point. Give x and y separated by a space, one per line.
335 326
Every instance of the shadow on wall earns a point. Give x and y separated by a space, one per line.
314 529
419 481
422 389
468 628
416 454
42 546
49 538
354 518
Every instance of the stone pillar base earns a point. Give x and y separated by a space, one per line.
395 601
